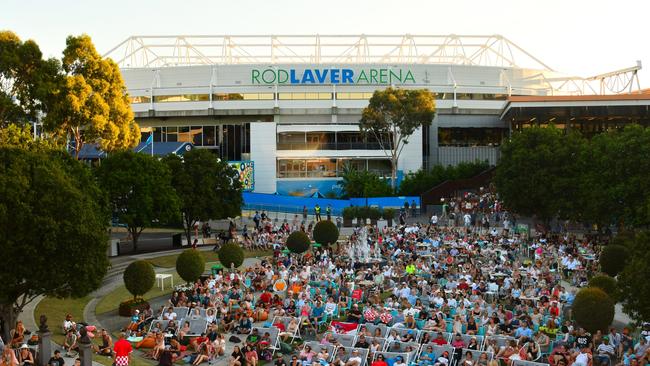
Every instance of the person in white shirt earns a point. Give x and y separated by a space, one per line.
330 306
467 219
170 314
434 220
355 359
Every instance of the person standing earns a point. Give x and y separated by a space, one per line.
317 212
122 351
328 212
414 207
256 219
304 214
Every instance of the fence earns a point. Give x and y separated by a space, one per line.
295 205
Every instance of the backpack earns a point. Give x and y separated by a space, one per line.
234 339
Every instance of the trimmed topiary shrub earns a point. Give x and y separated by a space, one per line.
231 253
326 232
607 284
139 277
593 309
613 259
298 242
190 265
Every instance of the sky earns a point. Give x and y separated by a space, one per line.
576 37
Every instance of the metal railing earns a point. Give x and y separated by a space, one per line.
329 146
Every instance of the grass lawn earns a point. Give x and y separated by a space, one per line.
56 310
111 301
169 261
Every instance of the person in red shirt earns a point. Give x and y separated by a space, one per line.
440 340
379 361
122 351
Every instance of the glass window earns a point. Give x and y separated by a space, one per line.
321 167
353 96
208 136
184 134
291 168
381 167
181 98
171 134
304 96
157 134
139 99
242 96
197 135
471 136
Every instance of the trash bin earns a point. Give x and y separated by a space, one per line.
177 240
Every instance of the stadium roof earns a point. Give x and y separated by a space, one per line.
185 50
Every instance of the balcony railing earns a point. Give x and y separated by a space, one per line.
326 174
329 146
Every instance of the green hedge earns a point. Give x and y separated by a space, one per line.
231 253
190 265
366 212
613 258
325 232
607 284
593 309
139 277
298 242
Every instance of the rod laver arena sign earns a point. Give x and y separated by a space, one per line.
332 76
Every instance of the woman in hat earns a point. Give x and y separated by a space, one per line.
25 356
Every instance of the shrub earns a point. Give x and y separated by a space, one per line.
127 308
605 283
613 259
389 213
190 265
350 212
298 242
139 277
325 232
374 213
231 253
593 309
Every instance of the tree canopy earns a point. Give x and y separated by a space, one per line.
416 183
27 81
208 188
539 168
362 183
633 280
138 187
393 115
53 229
92 106
604 180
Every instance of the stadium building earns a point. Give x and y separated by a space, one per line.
287 107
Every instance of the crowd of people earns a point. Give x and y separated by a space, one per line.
464 288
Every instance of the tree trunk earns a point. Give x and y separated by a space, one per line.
9 316
188 230
135 235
